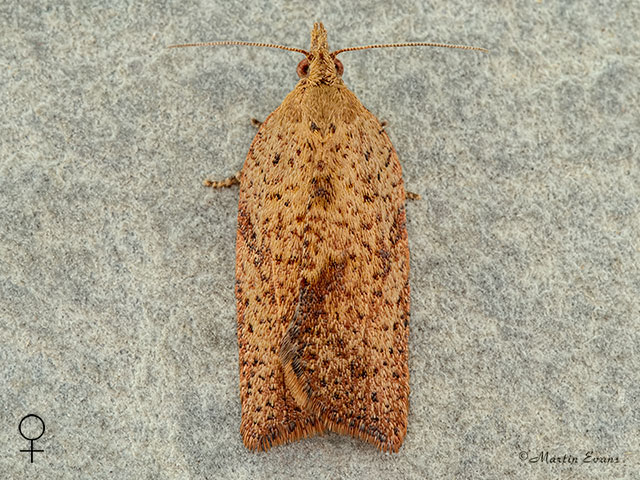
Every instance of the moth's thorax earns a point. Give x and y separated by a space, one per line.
323 107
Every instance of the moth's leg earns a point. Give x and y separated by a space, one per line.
383 124
233 179
412 196
227 182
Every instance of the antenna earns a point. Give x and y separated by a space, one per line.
250 44
412 44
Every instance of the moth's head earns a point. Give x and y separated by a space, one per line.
320 66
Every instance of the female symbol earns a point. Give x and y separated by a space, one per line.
28 438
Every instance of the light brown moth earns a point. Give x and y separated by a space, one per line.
322 266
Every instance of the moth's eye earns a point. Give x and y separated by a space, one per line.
303 68
339 66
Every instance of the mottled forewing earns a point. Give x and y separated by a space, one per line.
272 203
345 352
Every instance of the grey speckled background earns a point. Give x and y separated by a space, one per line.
117 314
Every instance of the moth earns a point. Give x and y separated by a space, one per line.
322 266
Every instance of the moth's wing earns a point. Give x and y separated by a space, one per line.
268 253
345 353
